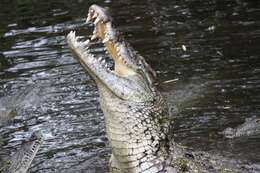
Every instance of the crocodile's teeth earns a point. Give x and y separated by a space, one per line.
118 49
99 59
106 39
95 15
88 18
103 61
97 20
93 37
95 30
71 33
86 42
117 45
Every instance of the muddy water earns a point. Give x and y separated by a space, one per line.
210 49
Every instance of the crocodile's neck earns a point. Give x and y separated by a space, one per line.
137 132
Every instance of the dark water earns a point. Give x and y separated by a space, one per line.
220 71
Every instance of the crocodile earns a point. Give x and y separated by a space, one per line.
21 160
137 118
251 127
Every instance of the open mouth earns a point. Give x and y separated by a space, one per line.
105 33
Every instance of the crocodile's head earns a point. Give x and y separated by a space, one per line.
131 78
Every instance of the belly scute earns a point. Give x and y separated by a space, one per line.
135 136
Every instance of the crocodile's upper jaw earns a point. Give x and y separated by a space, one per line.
131 79
104 32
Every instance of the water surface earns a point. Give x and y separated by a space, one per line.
210 48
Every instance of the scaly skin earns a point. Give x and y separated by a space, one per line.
250 127
22 159
136 115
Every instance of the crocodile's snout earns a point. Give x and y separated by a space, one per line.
104 32
98 13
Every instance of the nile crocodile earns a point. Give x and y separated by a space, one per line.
22 159
251 127
136 115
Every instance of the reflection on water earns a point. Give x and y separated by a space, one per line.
222 55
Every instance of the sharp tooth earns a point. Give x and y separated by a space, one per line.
86 42
93 37
88 18
103 61
97 20
100 58
117 49
106 39
95 15
117 45
71 34
95 31
106 35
